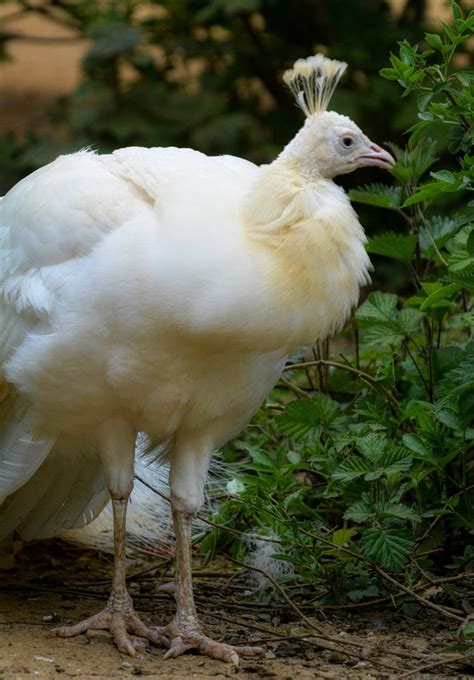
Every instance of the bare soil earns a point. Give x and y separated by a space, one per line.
55 583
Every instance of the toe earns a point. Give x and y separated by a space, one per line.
137 627
250 651
219 651
97 622
121 638
177 647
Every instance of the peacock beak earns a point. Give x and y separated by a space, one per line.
377 156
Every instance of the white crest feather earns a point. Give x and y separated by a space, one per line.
313 81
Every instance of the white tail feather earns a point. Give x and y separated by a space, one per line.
150 532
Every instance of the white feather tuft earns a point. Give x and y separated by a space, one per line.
261 555
150 533
313 81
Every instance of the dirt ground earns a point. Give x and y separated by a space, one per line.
55 583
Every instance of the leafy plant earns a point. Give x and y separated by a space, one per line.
370 474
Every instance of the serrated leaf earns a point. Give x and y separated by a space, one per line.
400 511
304 419
441 229
388 547
379 307
372 446
359 512
408 320
394 460
397 246
382 336
380 195
299 420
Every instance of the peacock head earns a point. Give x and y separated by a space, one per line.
328 144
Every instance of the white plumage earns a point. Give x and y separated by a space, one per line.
160 291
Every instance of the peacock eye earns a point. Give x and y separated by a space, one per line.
347 142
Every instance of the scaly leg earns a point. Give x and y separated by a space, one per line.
118 616
187 477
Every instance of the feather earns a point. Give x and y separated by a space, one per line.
313 81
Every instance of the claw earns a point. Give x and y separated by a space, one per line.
180 641
119 623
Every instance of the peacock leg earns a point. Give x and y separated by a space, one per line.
118 616
189 465
184 632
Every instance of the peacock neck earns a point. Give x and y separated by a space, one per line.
309 244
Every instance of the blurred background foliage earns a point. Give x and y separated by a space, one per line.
207 74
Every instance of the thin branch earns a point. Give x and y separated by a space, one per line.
206 520
364 376
434 664
294 388
320 633
386 577
418 369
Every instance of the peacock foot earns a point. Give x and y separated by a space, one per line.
120 620
181 639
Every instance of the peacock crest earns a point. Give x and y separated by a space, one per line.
313 81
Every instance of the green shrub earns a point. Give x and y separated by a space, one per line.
372 468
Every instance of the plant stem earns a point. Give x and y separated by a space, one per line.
364 376
418 369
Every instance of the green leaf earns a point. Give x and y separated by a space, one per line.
442 293
304 419
382 336
394 460
378 307
299 420
408 320
441 229
372 446
434 40
417 445
433 189
424 99
397 246
359 511
443 176
350 469
379 195
457 14
388 547
400 511
343 536
389 73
